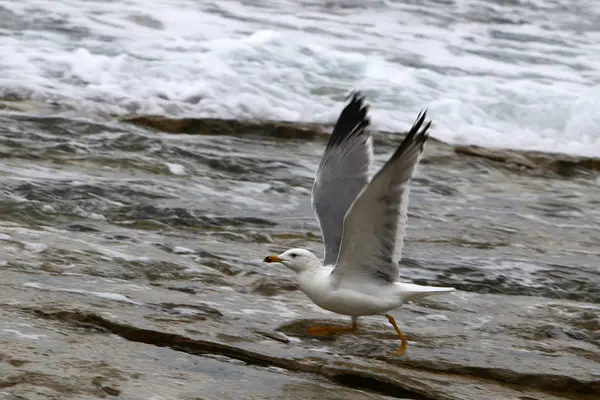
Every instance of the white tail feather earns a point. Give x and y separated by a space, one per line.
410 291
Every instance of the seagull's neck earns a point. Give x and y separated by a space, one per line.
314 280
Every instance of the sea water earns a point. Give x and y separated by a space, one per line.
520 74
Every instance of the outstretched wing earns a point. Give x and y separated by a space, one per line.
375 224
342 173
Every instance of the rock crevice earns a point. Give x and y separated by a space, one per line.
344 374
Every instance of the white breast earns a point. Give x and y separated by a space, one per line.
317 285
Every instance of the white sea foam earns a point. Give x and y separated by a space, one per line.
176 169
182 250
499 74
433 317
34 247
104 295
21 335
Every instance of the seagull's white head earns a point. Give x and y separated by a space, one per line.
298 260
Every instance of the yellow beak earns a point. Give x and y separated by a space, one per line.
270 259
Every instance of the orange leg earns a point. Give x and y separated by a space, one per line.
326 330
404 345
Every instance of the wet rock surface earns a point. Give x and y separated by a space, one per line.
559 164
450 356
130 267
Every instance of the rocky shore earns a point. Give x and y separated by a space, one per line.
131 267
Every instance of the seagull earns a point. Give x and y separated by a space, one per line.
362 223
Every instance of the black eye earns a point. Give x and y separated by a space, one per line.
293 255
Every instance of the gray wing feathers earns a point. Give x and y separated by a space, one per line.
377 219
342 173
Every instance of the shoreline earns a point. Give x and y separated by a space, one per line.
561 164
555 164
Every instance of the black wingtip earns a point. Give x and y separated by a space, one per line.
419 130
417 135
357 103
353 119
356 95
416 128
